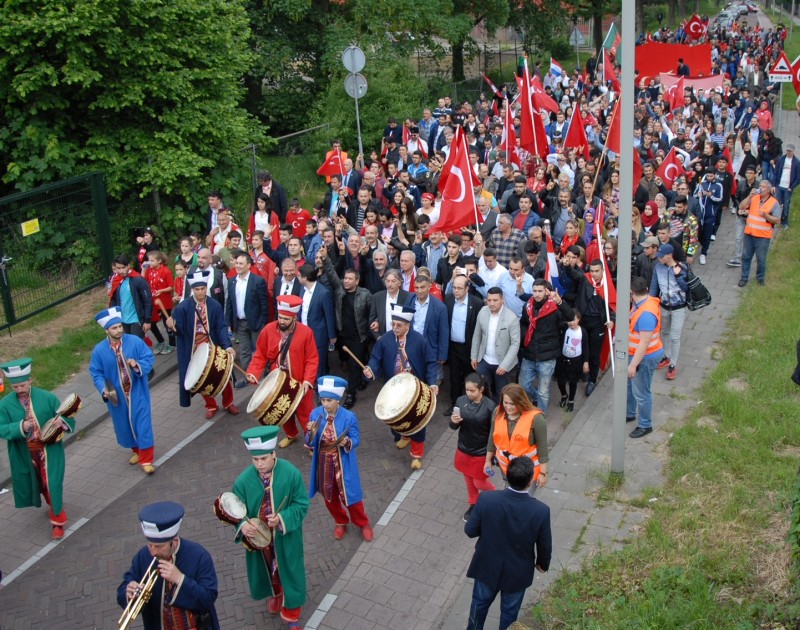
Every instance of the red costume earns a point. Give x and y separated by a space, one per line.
301 362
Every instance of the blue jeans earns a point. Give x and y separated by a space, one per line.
640 397
544 371
482 598
766 170
759 247
784 196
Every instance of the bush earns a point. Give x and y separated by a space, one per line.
561 49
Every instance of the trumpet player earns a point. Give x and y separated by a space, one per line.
171 580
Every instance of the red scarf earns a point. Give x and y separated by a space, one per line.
566 243
601 290
117 280
548 308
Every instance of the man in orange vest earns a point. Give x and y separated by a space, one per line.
764 213
644 353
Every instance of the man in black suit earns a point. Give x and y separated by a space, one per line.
462 314
513 532
246 309
217 286
287 283
275 192
381 312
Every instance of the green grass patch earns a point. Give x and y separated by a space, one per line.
715 552
297 173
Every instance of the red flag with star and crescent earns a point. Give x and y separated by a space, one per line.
332 166
532 135
695 28
456 183
671 169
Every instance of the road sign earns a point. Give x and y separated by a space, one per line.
781 71
796 74
353 59
356 85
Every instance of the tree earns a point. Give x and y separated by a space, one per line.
539 23
147 91
490 14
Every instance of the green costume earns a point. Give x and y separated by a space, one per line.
23 474
289 498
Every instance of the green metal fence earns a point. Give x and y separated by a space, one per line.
55 243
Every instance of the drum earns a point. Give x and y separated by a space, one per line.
70 406
405 404
276 398
261 539
229 508
52 431
209 370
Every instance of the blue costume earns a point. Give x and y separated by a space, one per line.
344 421
131 416
197 593
185 317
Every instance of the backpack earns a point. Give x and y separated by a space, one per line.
698 296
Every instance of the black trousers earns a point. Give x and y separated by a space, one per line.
597 332
358 348
460 367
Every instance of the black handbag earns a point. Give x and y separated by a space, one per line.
698 296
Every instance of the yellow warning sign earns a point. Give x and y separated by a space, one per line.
30 227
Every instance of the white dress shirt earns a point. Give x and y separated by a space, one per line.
307 295
241 293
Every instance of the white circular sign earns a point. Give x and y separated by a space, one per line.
353 59
355 85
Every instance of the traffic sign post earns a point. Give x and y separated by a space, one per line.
781 70
355 84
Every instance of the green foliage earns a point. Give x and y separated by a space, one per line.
144 90
539 23
561 48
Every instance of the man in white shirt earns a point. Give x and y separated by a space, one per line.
246 309
408 270
517 286
489 269
380 316
495 343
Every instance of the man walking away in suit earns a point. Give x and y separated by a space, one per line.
513 532
246 309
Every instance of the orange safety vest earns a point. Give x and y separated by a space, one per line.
756 225
517 445
650 305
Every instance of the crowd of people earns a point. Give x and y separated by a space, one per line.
500 309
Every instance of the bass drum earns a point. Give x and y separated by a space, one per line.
276 398
405 404
209 370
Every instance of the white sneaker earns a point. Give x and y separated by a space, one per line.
702 259
713 237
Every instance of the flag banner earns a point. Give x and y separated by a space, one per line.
332 166
655 58
458 208
696 83
576 135
671 169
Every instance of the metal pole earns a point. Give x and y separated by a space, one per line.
791 21
624 243
779 112
358 127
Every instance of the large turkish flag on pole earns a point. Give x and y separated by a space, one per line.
458 197
532 135
576 135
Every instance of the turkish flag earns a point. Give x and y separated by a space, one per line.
727 155
458 198
533 137
576 135
695 28
670 169
541 100
509 139
608 72
451 157
333 166
675 94
613 141
796 74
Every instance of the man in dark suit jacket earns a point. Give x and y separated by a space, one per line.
513 532
275 192
434 327
217 285
394 294
247 296
461 331
287 283
318 314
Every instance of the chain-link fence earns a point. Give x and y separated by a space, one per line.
55 243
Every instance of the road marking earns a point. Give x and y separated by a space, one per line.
320 612
398 500
81 522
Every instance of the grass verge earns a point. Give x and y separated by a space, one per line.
714 551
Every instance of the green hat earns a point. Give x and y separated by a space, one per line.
261 440
17 371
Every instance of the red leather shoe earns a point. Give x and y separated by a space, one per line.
211 413
367 534
232 410
339 531
58 532
274 604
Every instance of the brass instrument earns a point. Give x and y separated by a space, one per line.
141 596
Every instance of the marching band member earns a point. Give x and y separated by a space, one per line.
119 368
274 492
36 468
185 582
333 436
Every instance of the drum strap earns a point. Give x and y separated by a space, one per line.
122 366
285 348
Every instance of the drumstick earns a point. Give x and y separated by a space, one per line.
242 370
355 358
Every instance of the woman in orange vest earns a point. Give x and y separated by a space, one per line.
518 430
645 350
764 213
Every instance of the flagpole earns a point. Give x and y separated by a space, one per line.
605 144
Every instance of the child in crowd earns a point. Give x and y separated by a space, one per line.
572 362
159 278
187 256
298 218
180 277
197 241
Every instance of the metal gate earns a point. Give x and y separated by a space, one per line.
55 243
